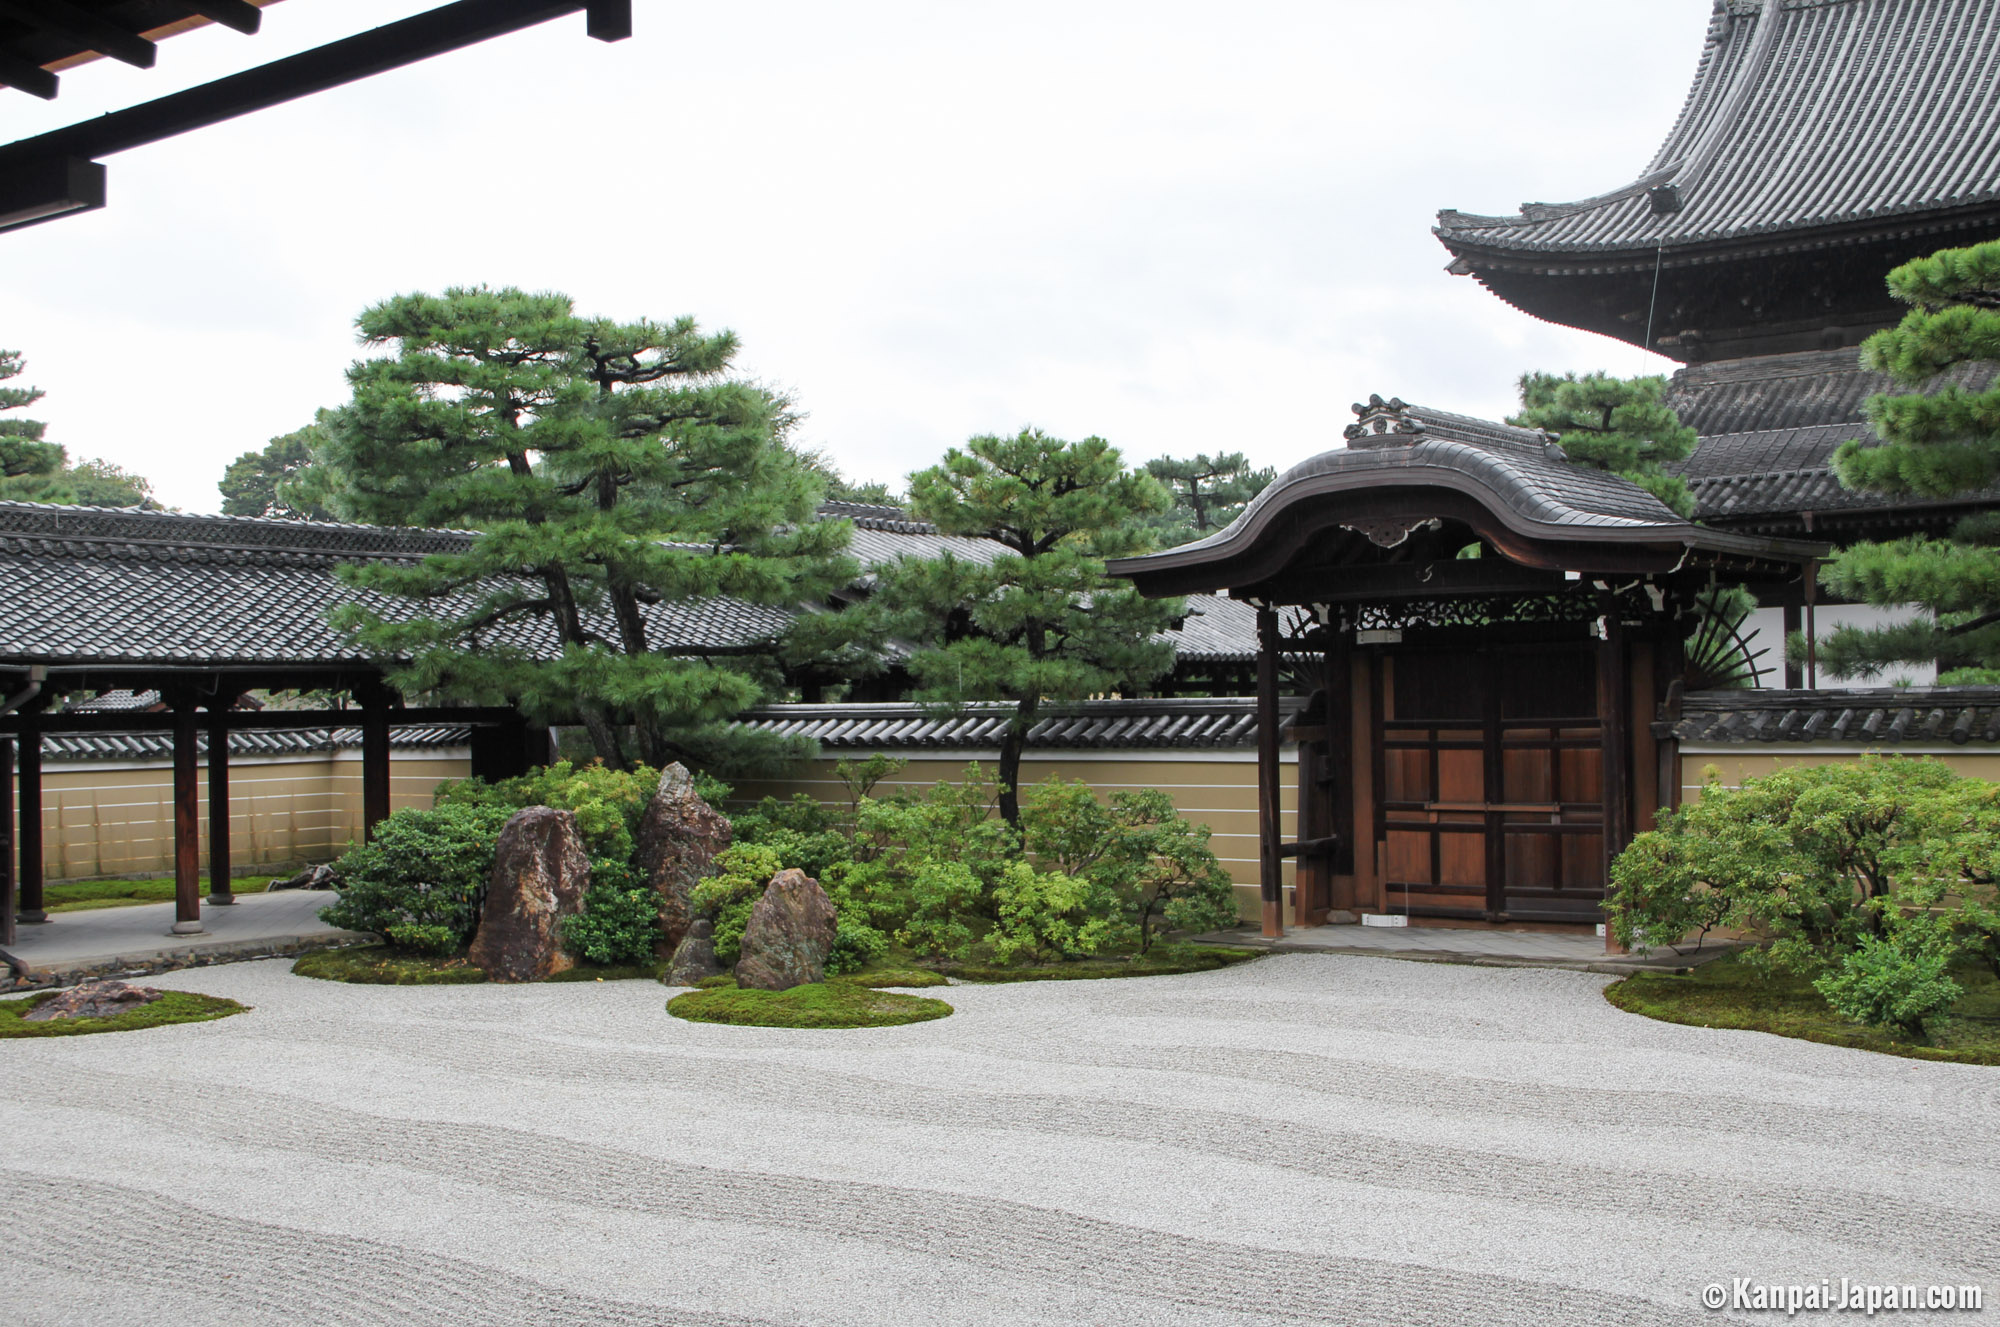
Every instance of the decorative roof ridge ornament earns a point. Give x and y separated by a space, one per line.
1383 424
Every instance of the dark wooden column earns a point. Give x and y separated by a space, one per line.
1271 864
187 820
219 891
1794 622
1614 713
31 907
374 758
7 896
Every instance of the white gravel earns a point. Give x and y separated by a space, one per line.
1308 1138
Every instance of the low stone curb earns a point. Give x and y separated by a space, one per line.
68 972
1610 965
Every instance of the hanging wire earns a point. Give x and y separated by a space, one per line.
1654 303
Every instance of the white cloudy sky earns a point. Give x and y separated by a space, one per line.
1184 227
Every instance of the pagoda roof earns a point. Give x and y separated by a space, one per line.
1810 122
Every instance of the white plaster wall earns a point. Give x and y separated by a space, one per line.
1766 627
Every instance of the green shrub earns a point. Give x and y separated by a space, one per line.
1816 858
801 832
941 895
420 881
1896 981
742 873
608 803
1046 915
1157 866
620 921
855 946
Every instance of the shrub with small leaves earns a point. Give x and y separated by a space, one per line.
420 880
942 895
1898 981
608 803
620 919
855 946
1045 916
726 898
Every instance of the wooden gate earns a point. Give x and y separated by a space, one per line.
1491 778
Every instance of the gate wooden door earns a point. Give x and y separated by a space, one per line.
1491 779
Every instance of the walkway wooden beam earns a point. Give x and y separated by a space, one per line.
141 721
187 822
220 892
1270 843
31 907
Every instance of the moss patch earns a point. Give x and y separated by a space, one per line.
172 1007
86 895
1729 993
876 979
821 1005
1161 961
381 965
385 965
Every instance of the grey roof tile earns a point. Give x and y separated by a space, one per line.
1225 723
1858 717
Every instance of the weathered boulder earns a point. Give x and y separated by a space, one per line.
313 877
678 842
93 999
540 873
789 936
694 957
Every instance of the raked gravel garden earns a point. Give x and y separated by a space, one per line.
1302 1138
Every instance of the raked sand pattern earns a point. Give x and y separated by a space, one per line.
1310 1138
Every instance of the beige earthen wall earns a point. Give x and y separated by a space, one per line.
1214 788
106 818
1737 763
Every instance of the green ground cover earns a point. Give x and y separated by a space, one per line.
1163 960
1730 993
173 1007
821 1005
86 895
385 965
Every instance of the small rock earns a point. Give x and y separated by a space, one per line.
789 936
540 873
679 838
313 877
694 958
93 999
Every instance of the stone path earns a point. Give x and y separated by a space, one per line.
1307 1138
1555 949
71 945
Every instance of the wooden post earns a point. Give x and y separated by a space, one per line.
374 759
187 821
219 891
1614 717
1794 623
7 899
1271 873
31 907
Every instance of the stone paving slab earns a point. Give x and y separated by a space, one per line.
72 946
1490 948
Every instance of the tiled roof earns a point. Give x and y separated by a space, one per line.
1803 114
1770 425
1878 716
1217 629
1219 723
158 745
88 584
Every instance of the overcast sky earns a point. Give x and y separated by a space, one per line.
1183 227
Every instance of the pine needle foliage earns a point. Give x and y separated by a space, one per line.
1623 425
1041 622
272 482
607 467
1209 492
1937 442
35 470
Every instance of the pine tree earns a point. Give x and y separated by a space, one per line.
1040 622
33 470
607 467
1940 444
268 482
1209 492
1623 425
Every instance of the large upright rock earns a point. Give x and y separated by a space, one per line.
789 936
678 842
540 873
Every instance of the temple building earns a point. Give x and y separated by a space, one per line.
1823 143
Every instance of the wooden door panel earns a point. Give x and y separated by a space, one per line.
1406 776
1461 776
1528 775
1407 857
1462 860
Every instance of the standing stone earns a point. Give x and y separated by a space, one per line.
93 999
678 842
540 873
789 936
694 957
